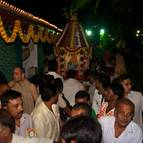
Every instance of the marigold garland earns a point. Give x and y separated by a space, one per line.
40 35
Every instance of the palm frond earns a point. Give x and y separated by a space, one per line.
77 5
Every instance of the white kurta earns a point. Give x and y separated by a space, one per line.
97 99
25 124
46 122
71 87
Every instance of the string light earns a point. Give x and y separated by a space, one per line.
6 6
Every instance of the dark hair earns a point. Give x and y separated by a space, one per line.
71 73
9 95
59 84
83 106
48 92
82 94
45 80
117 89
86 72
93 74
21 68
35 80
47 87
121 78
7 120
82 129
104 79
52 65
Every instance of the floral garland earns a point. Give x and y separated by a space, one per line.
83 53
41 35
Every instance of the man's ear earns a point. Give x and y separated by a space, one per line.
23 75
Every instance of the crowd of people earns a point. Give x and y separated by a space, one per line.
51 109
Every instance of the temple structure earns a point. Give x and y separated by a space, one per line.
72 49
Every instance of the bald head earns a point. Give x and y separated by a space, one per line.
126 102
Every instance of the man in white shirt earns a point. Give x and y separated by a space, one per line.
72 86
135 96
46 114
120 128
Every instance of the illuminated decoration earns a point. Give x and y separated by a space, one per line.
42 27
88 32
138 31
72 50
102 32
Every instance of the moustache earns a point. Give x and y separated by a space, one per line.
20 113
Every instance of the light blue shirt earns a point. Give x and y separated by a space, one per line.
25 124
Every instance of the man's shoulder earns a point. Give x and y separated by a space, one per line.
26 118
137 93
11 83
25 115
39 110
107 120
134 127
135 96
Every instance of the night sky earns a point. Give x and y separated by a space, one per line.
50 11
107 12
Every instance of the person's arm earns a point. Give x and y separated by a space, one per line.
34 92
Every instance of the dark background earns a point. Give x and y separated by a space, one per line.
120 18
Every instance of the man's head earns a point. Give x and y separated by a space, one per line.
82 97
126 82
113 92
59 85
81 109
18 74
49 91
52 65
12 102
102 82
92 77
81 129
124 112
7 126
